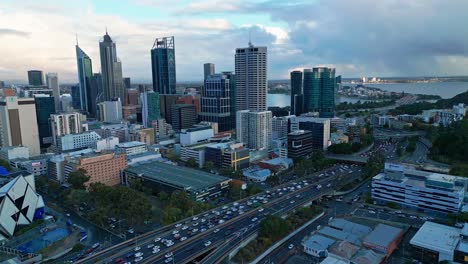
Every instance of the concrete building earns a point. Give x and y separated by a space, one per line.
254 129
166 101
52 83
35 77
132 148
65 124
116 130
195 135
162 130
320 128
195 152
14 152
384 239
143 157
104 168
140 134
183 116
251 78
18 124
77 141
300 144
423 190
256 174
110 111
106 144
280 127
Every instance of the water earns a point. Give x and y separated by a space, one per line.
443 89
283 100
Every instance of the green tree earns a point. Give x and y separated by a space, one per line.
273 227
209 165
5 164
191 162
78 178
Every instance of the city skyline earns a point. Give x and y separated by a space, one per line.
360 43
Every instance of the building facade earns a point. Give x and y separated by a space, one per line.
35 78
183 116
45 107
52 83
319 91
65 124
110 111
297 96
320 128
85 73
149 107
132 147
254 129
208 70
111 70
196 135
300 144
77 141
163 67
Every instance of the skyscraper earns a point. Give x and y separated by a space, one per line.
319 91
296 93
85 73
52 83
254 129
111 71
208 69
127 82
251 78
183 116
149 107
216 101
35 78
45 106
75 95
94 94
163 66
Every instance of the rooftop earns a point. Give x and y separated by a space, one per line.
182 177
383 235
131 144
350 227
436 237
194 129
340 235
319 242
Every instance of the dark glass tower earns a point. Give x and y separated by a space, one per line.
75 95
35 78
216 103
94 94
45 106
319 91
296 93
111 71
85 73
163 66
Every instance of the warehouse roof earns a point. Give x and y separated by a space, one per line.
177 176
318 242
350 227
383 235
436 237
340 235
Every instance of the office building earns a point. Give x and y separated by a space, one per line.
2 84
104 168
162 129
150 110
85 74
297 96
216 101
127 83
30 91
320 128
19 124
163 67
35 78
254 129
106 144
65 124
145 135
208 70
195 135
110 111
200 185
228 155
133 97
75 95
66 103
45 107
280 127
111 71
52 83
300 144
319 91
115 130
183 116
251 78
14 152
132 147
426 191
73 142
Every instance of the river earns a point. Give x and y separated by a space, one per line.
283 100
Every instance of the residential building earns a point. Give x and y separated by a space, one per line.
208 70
195 135
110 111
217 101
320 128
52 83
200 185
35 78
254 129
77 141
132 147
106 144
251 78
55 166
300 144
183 116
18 124
423 190
149 107
297 97
319 91
64 124
280 127
45 107
104 168
111 70
163 67
85 74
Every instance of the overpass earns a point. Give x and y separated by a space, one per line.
348 158
387 133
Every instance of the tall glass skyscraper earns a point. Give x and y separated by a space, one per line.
111 71
85 72
45 106
319 91
296 93
35 78
149 107
163 66
216 103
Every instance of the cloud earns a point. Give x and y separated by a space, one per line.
13 32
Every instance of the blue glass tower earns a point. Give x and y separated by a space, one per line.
163 67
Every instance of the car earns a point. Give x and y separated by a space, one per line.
178 225
195 218
207 243
137 248
261 210
413 217
156 250
119 260
157 239
150 245
292 201
203 230
138 259
168 255
221 221
371 212
195 224
291 246
216 230
138 254
183 238
254 219
175 232
184 227
168 260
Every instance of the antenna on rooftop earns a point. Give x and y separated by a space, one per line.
76 35
250 37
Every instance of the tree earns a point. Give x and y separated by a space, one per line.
273 227
78 178
209 165
191 162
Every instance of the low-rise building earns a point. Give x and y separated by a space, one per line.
14 152
194 152
257 174
228 154
317 245
338 137
300 144
132 147
384 239
143 157
195 135
72 142
106 144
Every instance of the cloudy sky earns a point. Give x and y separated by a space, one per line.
359 37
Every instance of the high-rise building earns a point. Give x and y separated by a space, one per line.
183 116
319 91
65 124
85 73
251 78
208 69
52 83
163 65
149 107
280 127
167 100
111 70
127 83
45 106
35 78
133 97
216 101
296 93
94 94
75 95
254 129
110 111
18 124
2 84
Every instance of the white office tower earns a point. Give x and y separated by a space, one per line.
52 83
251 78
254 129
110 111
18 124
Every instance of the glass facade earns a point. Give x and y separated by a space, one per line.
150 110
85 73
296 92
319 91
111 71
44 108
163 67
35 78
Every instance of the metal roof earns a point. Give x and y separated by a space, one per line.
350 227
383 235
340 235
436 237
318 242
